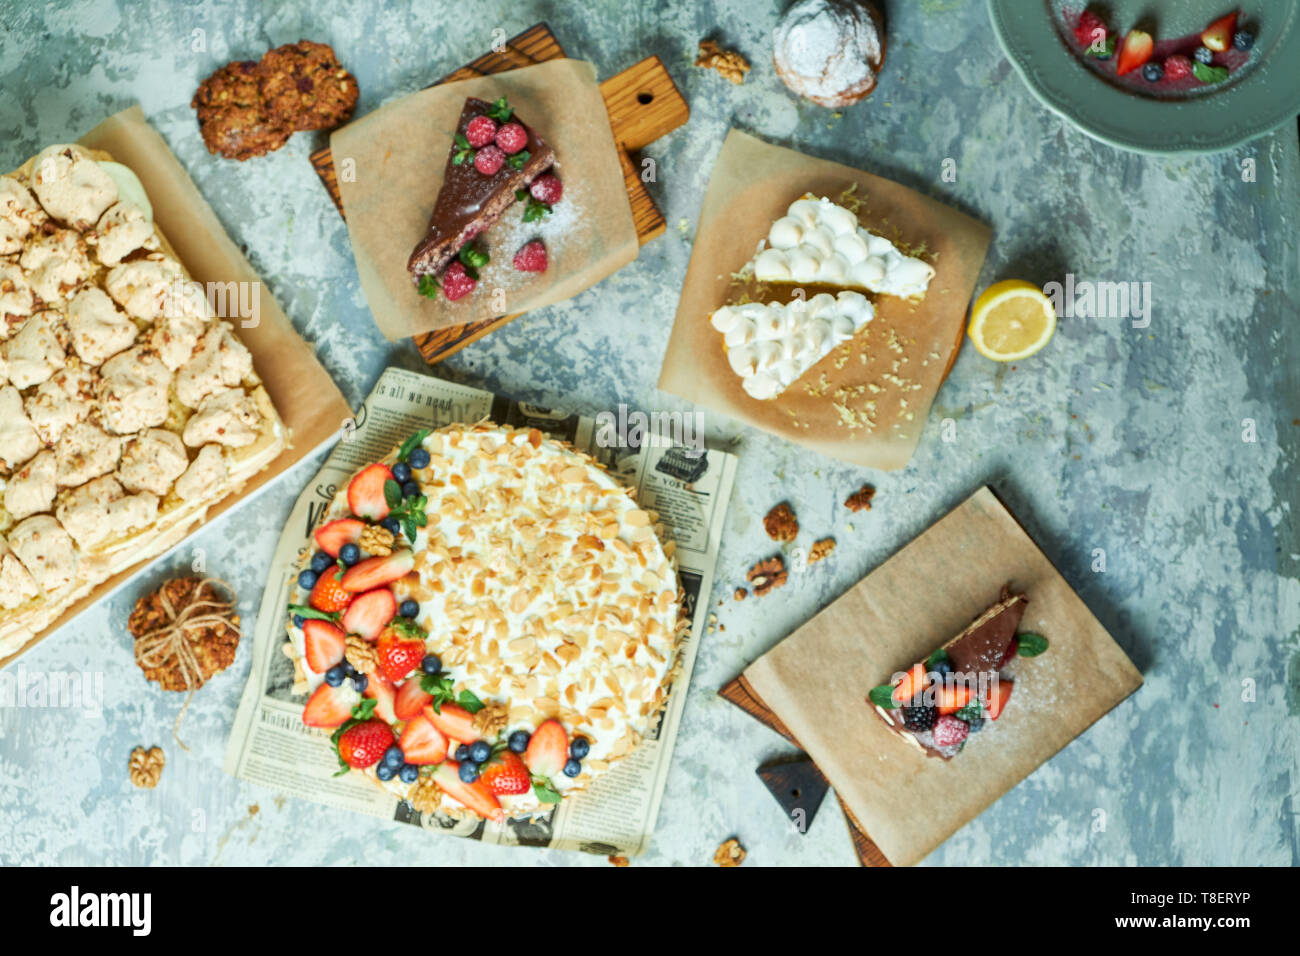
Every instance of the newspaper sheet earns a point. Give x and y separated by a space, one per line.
689 487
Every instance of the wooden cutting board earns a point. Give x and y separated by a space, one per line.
643 104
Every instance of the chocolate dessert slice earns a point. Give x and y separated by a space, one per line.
983 644
470 201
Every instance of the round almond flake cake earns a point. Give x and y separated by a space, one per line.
489 624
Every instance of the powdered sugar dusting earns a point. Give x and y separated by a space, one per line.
830 47
510 233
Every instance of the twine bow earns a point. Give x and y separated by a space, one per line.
172 641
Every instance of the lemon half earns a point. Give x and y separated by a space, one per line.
1011 320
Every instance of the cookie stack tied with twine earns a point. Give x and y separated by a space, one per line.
185 633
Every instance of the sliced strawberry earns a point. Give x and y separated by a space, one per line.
422 743
329 595
411 698
913 683
998 697
329 706
361 745
454 721
324 644
366 493
377 571
474 796
384 693
506 775
951 698
369 613
1134 51
398 655
1218 35
333 535
548 750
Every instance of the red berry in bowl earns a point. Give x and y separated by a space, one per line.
950 731
532 257
547 188
481 131
512 138
1090 30
456 282
488 160
1177 67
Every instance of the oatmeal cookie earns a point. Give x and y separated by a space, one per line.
305 87
233 118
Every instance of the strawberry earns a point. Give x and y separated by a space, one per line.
953 697
950 731
1090 30
512 138
398 655
1177 67
489 160
480 131
362 744
1009 653
384 693
1134 51
329 706
1218 35
998 697
411 698
457 282
333 535
324 644
378 571
548 750
366 492
913 683
547 188
474 796
422 743
369 613
506 775
532 257
329 595
454 721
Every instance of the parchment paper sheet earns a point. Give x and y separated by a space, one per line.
752 185
399 152
817 679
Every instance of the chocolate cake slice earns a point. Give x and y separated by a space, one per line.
982 645
470 201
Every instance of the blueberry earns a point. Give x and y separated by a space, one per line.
943 668
1204 55
1243 39
462 753
409 773
349 554
299 620
348 669
401 472
408 608
360 682
572 768
431 664
335 676
307 579
410 490
479 751
393 757
385 772
580 747
392 524
519 741
976 725
468 771
1153 72
418 458
320 561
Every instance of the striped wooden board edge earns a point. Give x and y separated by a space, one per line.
740 693
643 104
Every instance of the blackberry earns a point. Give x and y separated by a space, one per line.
919 718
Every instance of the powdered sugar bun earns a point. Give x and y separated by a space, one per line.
829 51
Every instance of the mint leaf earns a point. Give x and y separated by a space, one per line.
882 696
972 711
469 700
1030 644
428 286
1209 74
392 493
933 660
408 446
545 792
535 210
521 194
303 610
518 159
472 256
1103 52
500 110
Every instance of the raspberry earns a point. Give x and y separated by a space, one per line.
532 257
512 138
1090 29
950 731
547 188
481 131
1177 67
919 718
488 160
456 283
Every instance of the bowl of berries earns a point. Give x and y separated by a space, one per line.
1193 76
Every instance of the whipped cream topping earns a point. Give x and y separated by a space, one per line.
817 241
770 345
